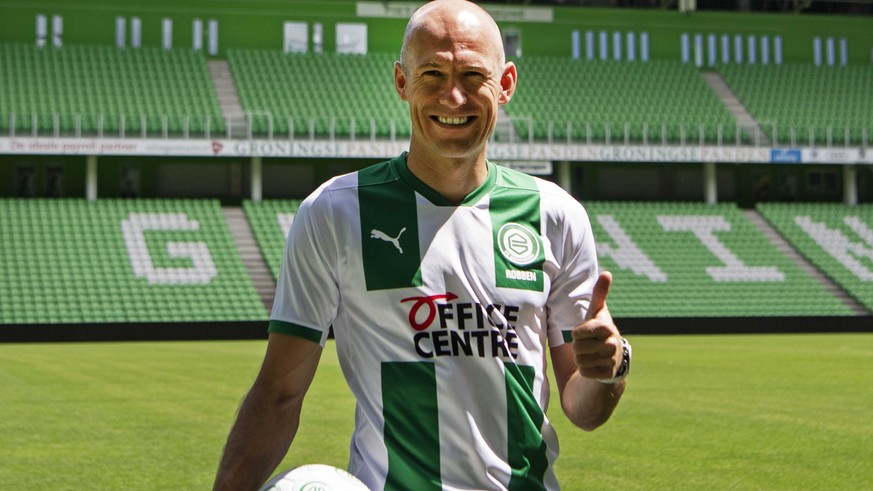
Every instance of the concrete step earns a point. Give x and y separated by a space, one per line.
742 116
259 273
227 93
784 247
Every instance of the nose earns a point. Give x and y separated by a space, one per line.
453 94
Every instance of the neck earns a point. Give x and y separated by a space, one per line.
452 178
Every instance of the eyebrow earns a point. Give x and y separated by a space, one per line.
440 64
431 64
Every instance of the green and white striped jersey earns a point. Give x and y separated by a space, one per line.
441 315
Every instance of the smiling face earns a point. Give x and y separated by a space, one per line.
453 76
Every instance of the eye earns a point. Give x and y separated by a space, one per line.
432 73
475 77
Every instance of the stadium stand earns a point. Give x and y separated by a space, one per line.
594 100
270 221
669 260
173 261
288 91
103 88
120 261
807 99
697 260
837 239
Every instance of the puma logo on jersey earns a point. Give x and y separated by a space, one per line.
378 234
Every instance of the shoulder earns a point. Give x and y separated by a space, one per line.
340 190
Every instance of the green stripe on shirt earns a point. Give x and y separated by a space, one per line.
389 229
411 412
526 449
515 219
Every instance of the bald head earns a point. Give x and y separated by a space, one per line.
442 18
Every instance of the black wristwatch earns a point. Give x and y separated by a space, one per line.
624 368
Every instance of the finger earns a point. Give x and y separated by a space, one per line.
598 296
599 363
592 330
592 366
594 347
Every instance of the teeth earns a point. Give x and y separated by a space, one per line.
452 120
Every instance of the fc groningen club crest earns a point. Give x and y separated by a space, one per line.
518 244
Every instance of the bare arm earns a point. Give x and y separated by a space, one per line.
586 402
595 353
269 414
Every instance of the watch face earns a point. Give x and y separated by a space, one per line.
625 359
622 370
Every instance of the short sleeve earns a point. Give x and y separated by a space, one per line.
307 293
569 229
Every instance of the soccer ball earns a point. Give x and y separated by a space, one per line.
315 477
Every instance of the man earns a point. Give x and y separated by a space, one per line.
444 277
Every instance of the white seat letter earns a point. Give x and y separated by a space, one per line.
626 254
133 230
839 246
704 227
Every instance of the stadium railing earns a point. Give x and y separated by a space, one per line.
91 90
87 91
265 125
617 102
806 104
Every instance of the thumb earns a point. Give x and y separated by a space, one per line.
598 296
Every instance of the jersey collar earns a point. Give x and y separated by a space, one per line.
402 170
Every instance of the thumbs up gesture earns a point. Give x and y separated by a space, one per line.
597 344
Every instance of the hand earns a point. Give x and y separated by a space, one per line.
597 345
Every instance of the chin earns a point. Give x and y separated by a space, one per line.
461 149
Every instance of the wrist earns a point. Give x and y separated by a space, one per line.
623 367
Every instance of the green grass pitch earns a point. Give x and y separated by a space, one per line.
700 412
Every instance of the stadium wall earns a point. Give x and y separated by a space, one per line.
744 184
226 179
259 25
229 179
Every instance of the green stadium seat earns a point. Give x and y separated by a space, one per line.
697 260
293 86
836 238
74 261
597 95
117 83
808 99
270 220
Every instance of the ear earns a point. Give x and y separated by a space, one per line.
400 80
508 82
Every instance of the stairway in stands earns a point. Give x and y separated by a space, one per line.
228 98
251 254
744 119
785 248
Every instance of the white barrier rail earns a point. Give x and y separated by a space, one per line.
264 126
